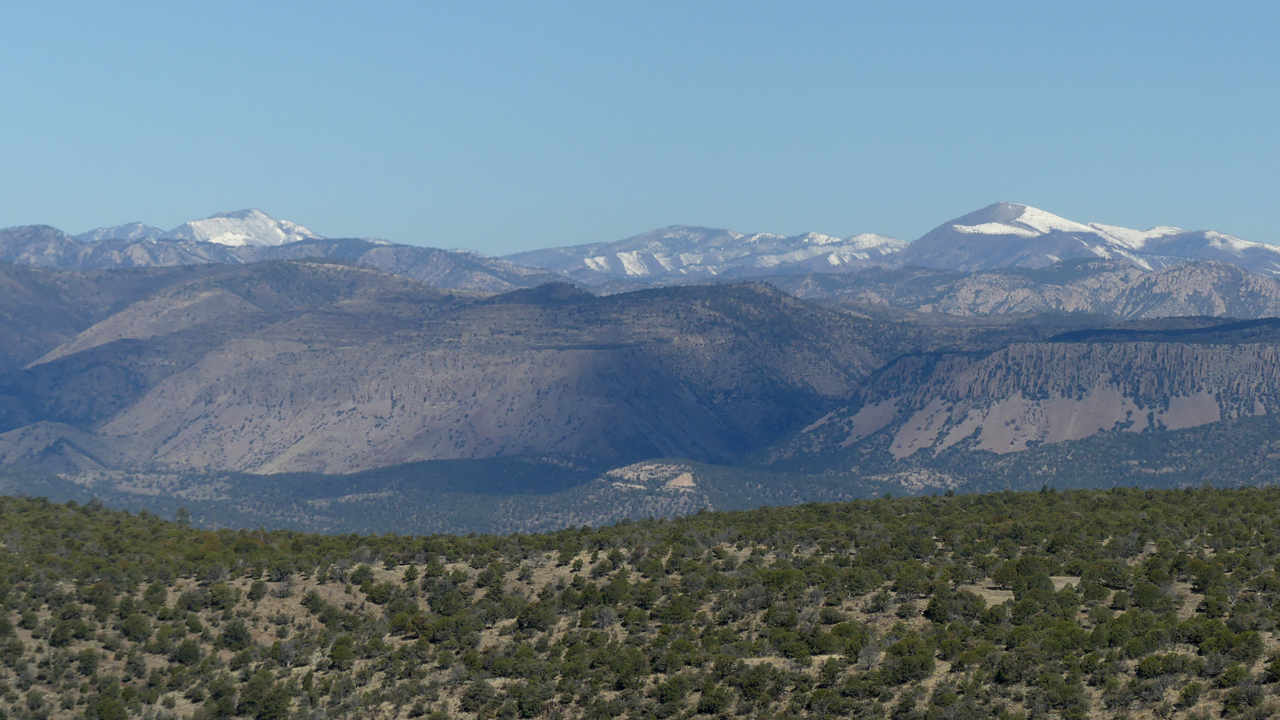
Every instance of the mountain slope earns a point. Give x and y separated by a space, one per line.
455 269
197 298
128 231
288 366
40 246
1098 287
1032 394
41 309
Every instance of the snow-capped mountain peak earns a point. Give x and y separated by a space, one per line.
236 229
242 227
1014 235
1014 219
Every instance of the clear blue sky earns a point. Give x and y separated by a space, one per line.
510 126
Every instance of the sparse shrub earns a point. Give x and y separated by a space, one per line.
257 591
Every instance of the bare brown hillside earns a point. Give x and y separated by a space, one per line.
333 368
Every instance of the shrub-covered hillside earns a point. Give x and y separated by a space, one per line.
1078 604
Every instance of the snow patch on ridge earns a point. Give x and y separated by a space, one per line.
1046 222
996 229
1133 239
1232 243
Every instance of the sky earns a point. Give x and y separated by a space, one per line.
503 127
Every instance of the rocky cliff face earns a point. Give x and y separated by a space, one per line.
1030 394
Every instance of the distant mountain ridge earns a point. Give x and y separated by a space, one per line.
252 236
241 228
1002 235
697 252
128 231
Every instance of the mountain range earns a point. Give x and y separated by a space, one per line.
251 236
281 377
702 253
1002 235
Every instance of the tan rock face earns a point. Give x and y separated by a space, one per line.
1036 393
